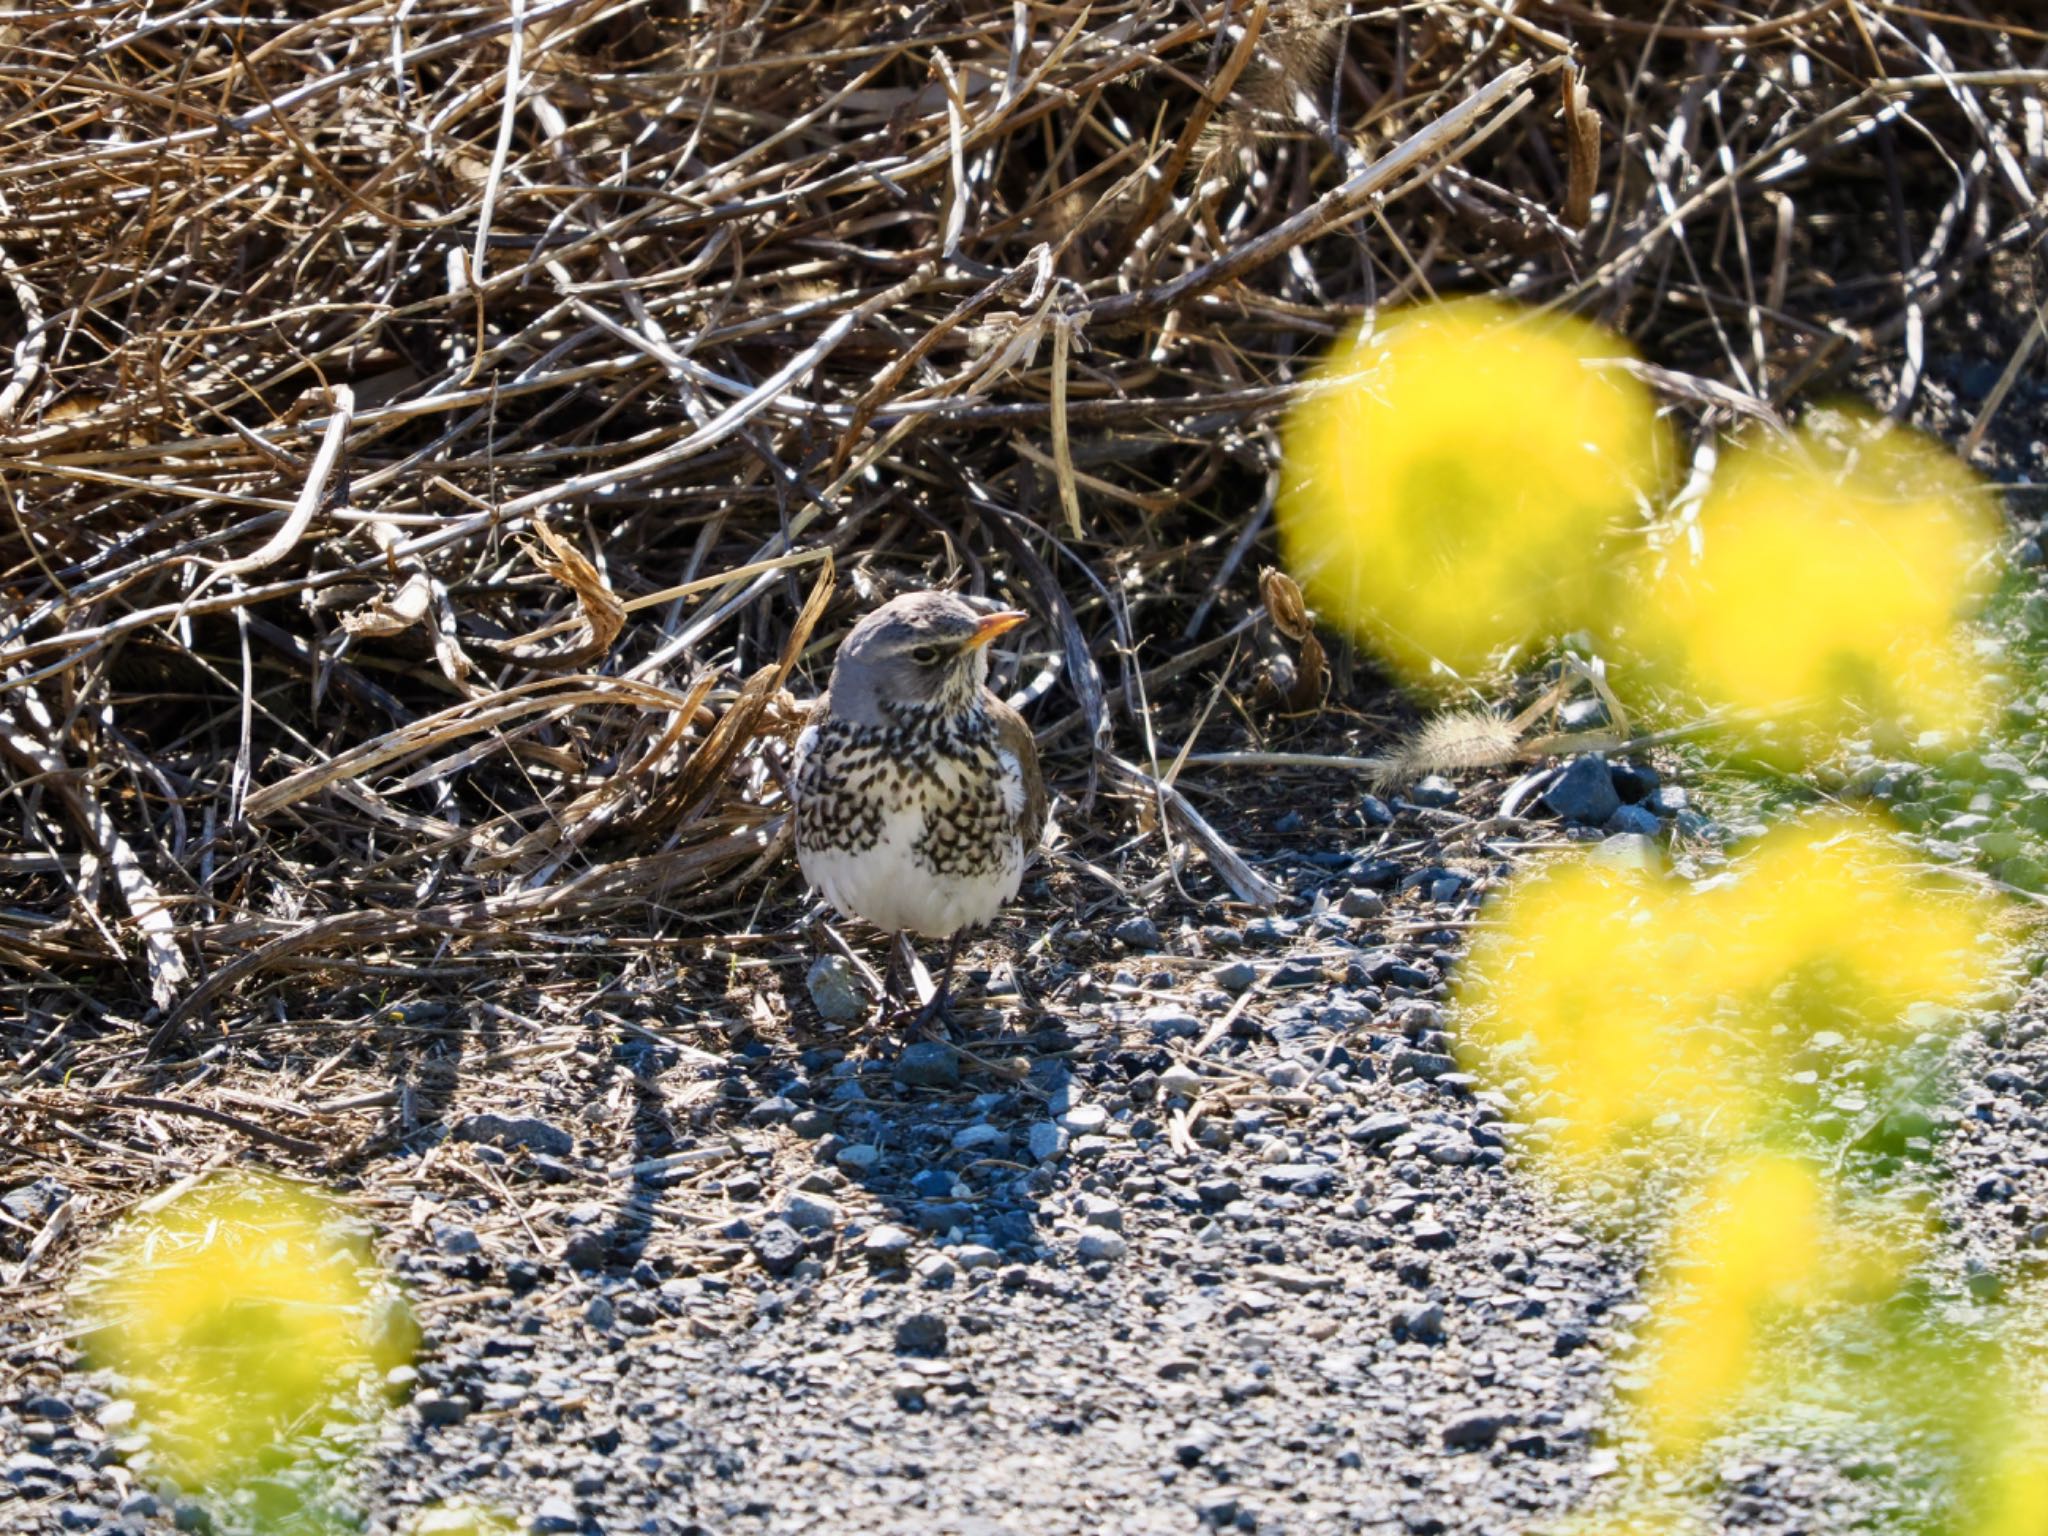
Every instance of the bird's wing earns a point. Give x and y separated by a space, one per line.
1015 738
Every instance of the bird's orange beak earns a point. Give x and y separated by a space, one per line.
995 624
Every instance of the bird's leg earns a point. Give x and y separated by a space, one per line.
899 976
940 1009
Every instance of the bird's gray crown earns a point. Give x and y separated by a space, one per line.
918 654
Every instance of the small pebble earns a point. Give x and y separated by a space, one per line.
835 989
1098 1245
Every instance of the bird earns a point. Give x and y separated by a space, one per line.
917 795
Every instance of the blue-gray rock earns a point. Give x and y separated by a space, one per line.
1636 820
835 989
1669 800
981 1137
858 1159
1425 1064
1099 1245
1473 1431
1138 932
1271 930
1376 873
1170 1023
1311 1179
556 1515
502 1131
1433 793
923 1334
441 1408
810 1213
928 1064
1424 1324
1362 904
886 1245
1235 976
34 1201
932 1183
778 1246
1085 1119
1101 1211
775 1111
1047 1141
1374 811
1584 792
1633 781
1377 1130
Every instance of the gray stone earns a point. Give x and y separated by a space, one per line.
1100 1211
1138 932
835 989
35 1201
778 1246
1638 820
921 1333
1434 792
502 1131
1377 1130
1473 1431
981 1137
1169 1023
556 1515
1181 1079
1085 1119
1425 1064
1098 1245
1299 1178
928 1064
858 1158
1584 792
441 1408
887 1245
1362 904
810 1213
1424 1324
1236 976
1047 1141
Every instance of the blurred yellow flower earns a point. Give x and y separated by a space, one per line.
235 1311
1765 1248
2016 1502
1451 477
1827 578
459 1518
1643 1005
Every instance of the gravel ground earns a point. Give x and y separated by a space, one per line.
1215 1234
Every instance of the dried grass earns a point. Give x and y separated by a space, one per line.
429 421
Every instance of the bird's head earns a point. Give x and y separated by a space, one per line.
923 653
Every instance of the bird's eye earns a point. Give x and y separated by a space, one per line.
925 655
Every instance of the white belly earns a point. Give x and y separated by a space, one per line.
883 885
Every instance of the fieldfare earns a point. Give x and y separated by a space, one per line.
917 791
